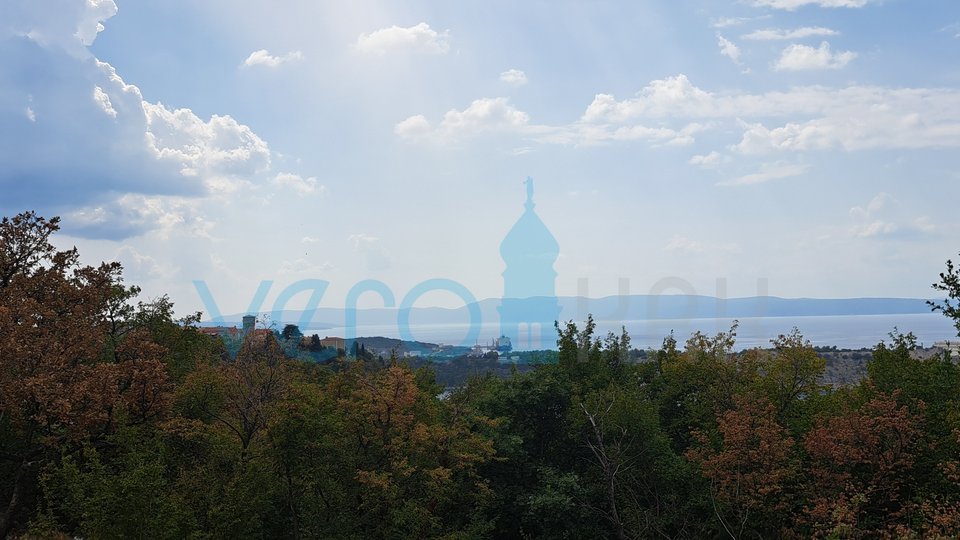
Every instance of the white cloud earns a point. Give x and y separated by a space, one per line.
798 57
103 100
866 118
709 161
725 22
588 134
309 240
497 115
91 23
67 25
418 38
885 217
728 49
791 5
481 116
114 164
265 59
673 111
220 150
661 98
767 173
415 127
133 214
296 183
758 139
778 34
514 76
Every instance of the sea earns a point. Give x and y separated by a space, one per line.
840 331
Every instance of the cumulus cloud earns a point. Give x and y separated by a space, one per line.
497 115
265 59
664 97
112 163
485 115
798 57
851 118
866 118
729 49
414 127
766 173
481 116
103 100
67 25
213 150
709 161
297 183
127 215
791 5
514 76
884 217
673 111
417 38
778 34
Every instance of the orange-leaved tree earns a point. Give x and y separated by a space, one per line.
749 467
57 384
861 468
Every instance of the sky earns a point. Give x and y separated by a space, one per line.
799 148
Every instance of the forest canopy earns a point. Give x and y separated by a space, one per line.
118 419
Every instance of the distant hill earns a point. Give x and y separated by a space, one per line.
625 308
379 343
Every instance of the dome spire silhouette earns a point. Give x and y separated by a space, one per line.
529 306
529 204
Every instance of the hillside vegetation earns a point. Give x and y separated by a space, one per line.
119 420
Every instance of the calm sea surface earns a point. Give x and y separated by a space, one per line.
842 331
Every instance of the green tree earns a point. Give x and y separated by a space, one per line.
789 377
950 284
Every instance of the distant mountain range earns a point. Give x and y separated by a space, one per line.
622 308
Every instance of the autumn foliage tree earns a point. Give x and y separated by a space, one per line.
749 467
413 460
118 420
57 385
861 472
